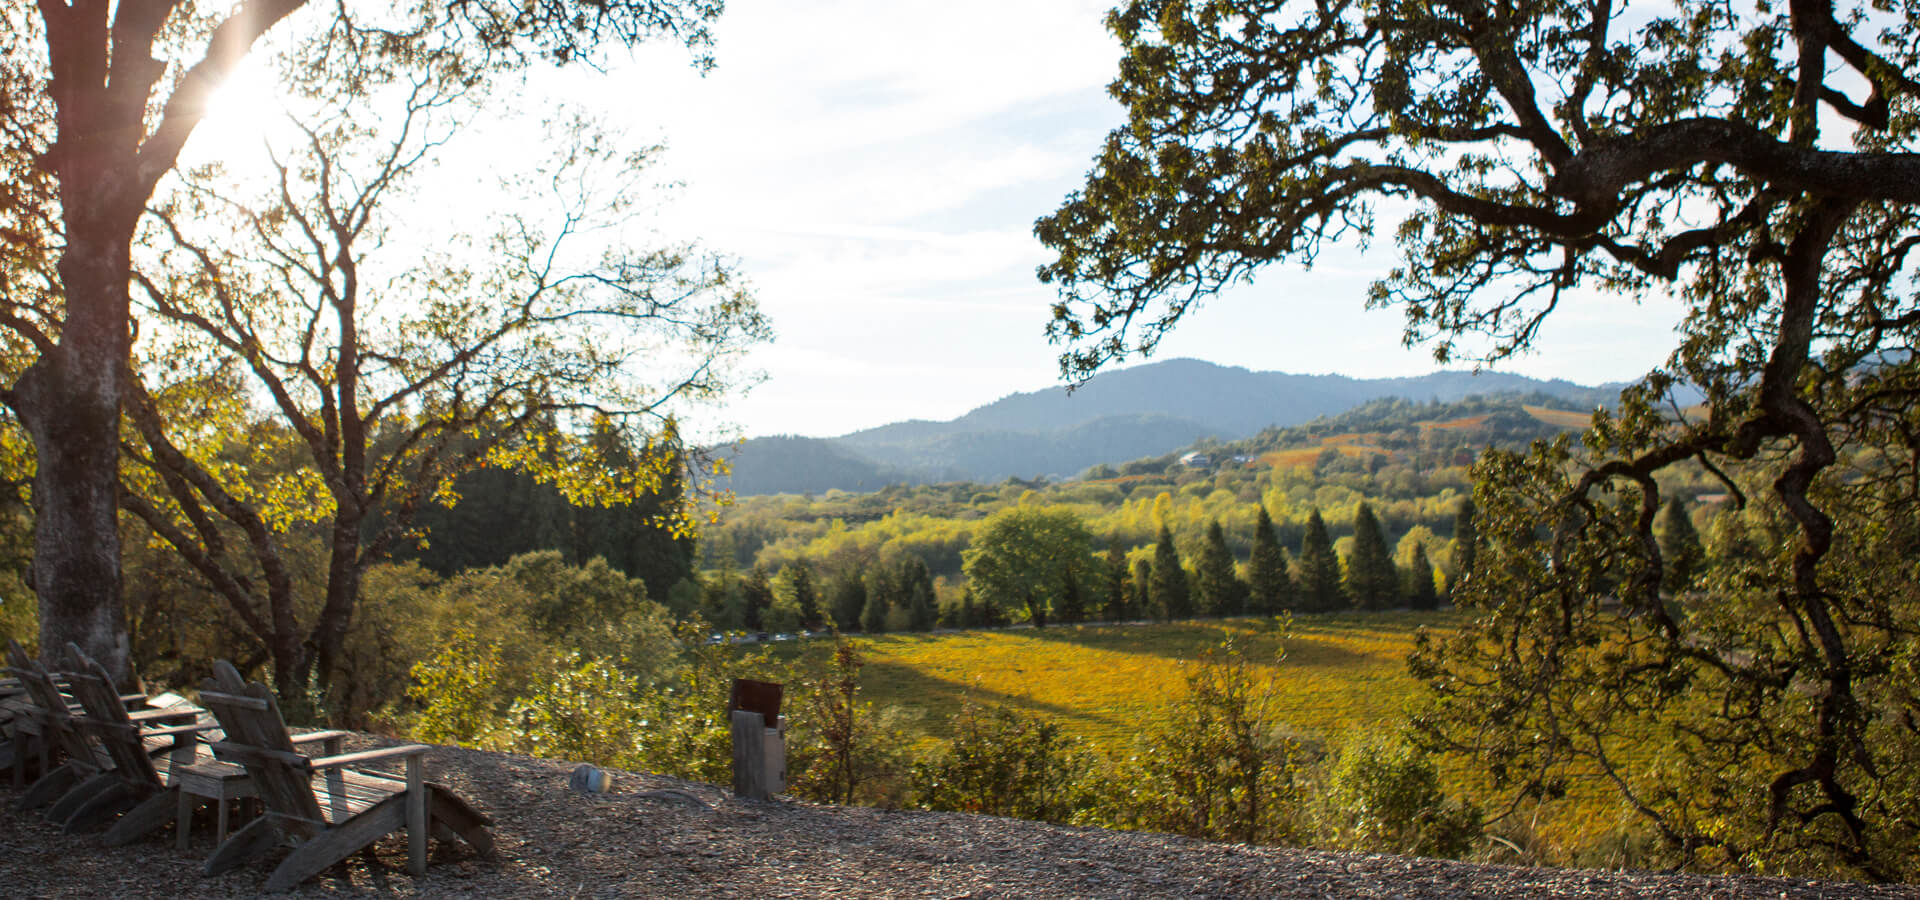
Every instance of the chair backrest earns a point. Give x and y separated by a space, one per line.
257 739
53 705
106 719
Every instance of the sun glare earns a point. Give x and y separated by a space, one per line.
243 115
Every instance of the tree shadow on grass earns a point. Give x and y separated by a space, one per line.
1315 640
908 686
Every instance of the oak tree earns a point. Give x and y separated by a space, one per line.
1023 557
390 378
102 97
1757 162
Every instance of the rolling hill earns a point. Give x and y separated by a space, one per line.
1120 415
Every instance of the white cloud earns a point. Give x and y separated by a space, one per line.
877 164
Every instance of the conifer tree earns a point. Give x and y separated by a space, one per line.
1372 580
1464 544
1218 588
1319 569
873 620
1116 582
800 582
1169 590
849 600
1682 555
717 591
1073 602
757 595
916 589
1420 590
1141 590
1270 585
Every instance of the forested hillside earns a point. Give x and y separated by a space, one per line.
1137 412
1404 463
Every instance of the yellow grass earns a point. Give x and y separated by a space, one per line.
1559 418
1339 672
1342 675
1303 457
1298 457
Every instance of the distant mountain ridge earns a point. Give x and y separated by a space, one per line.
1117 416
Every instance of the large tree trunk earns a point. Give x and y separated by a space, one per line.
69 402
100 57
344 572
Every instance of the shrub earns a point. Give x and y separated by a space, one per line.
1217 766
1385 796
457 689
586 711
1003 764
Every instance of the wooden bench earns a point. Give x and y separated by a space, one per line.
329 818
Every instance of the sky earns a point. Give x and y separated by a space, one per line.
876 166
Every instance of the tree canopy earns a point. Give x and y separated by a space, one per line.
1756 162
389 377
1024 557
99 100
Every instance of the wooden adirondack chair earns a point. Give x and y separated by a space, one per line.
142 758
53 722
89 769
329 819
14 703
31 736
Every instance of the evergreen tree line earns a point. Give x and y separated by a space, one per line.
1311 579
1117 585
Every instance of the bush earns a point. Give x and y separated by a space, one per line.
458 692
1385 797
1218 766
841 749
586 711
1003 764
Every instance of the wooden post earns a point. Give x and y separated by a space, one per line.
416 816
759 742
776 765
750 756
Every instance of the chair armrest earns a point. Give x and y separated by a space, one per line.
176 730
366 756
163 715
312 736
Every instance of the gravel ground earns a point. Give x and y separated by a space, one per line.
660 837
